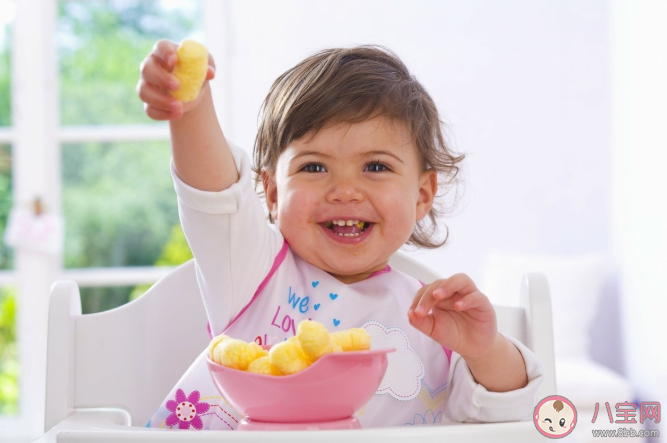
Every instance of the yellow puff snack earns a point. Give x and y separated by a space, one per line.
288 357
355 339
237 354
190 69
314 339
214 343
263 366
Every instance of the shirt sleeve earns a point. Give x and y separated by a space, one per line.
469 401
233 245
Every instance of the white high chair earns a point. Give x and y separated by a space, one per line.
108 372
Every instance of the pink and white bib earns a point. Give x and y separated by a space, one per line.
413 389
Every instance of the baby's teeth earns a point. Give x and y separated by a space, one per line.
358 223
346 222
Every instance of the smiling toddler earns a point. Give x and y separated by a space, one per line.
350 156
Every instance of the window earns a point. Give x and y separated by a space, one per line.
117 197
91 155
9 366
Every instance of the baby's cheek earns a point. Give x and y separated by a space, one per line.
404 230
289 213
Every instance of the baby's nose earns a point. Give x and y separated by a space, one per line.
344 191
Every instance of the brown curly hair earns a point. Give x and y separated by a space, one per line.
352 85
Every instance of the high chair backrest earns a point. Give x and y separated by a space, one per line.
131 356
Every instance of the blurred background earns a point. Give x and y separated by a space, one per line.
559 107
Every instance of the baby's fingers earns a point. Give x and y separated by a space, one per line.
154 96
154 72
210 73
157 104
458 283
424 300
158 114
471 301
444 293
164 52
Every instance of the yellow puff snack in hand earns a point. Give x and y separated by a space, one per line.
237 354
263 366
355 339
288 357
190 69
314 338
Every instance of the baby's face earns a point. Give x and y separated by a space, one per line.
366 174
555 423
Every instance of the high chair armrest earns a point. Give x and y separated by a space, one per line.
536 299
101 420
64 306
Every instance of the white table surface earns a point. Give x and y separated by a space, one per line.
105 426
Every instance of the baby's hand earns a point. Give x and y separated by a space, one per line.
455 314
157 80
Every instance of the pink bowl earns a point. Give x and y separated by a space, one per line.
333 388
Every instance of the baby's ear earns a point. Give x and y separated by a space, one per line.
270 193
428 188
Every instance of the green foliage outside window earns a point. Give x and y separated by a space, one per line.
120 208
119 203
118 200
5 68
100 47
9 367
6 255
175 252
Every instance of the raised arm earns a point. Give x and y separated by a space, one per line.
202 158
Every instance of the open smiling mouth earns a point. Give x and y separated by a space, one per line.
347 228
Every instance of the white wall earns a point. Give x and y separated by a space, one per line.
640 187
523 85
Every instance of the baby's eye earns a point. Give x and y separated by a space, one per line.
377 167
548 419
314 167
562 422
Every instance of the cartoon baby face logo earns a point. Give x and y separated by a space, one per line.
555 416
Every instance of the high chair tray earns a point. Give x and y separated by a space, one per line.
106 426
